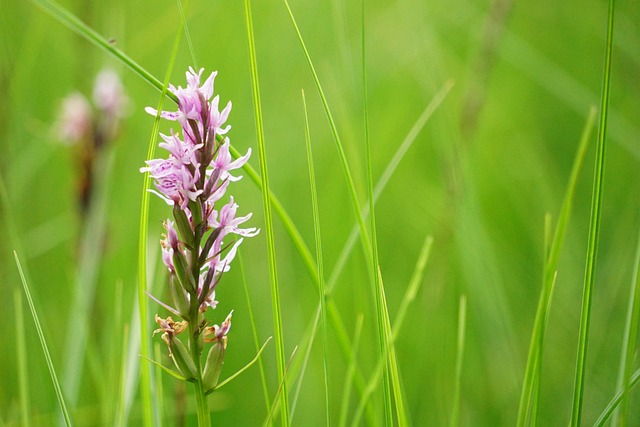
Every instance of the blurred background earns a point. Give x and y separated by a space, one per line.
492 160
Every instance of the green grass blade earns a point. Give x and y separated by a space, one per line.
187 35
336 138
145 371
381 304
407 299
158 383
244 368
289 226
606 414
120 414
534 358
631 334
86 278
462 324
594 230
388 172
274 407
383 339
322 289
72 22
266 195
21 354
394 371
351 370
254 328
311 335
43 343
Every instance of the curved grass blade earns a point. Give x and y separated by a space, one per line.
158 383
266 197
247 366
311 335
631 333
145 373
72 22
606 414
336 138
534 359
383 339
171 372
323 293
252 320
187 35
388 172
407 299
273 410
381 304
43 343
594 230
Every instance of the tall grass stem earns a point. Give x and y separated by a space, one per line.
266 198
43 344
318 236
594 230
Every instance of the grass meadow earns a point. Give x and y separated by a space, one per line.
503 158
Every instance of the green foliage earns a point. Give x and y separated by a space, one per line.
481 165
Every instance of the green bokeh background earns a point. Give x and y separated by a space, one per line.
480 183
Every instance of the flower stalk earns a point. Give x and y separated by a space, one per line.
194 180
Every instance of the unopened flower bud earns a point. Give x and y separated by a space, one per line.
213 365
182 359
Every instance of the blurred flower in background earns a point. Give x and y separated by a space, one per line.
90 127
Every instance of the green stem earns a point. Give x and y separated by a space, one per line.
194 345
203 405
594 231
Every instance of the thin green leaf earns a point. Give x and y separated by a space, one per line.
381 305
72 22
158 382
187 35
254 328
318 234
145 374
351 370
247 366
120 414
462 323
273 409
388 172
631 333
367 246
164 368
408 298
534 359
594 230
21 357
86 278
43 343
266 198
310 337
606 414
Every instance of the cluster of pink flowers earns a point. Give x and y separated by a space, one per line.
78 121
193 179
89 127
